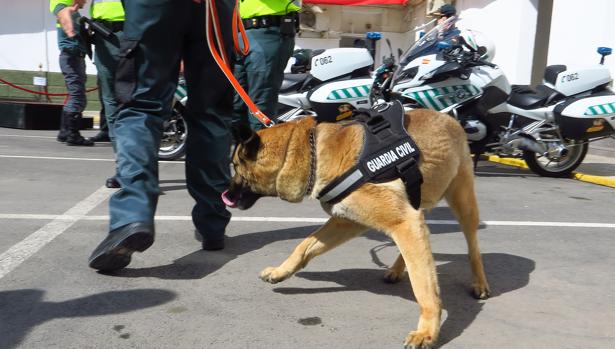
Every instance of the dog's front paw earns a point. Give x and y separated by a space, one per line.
392 276
481 291
418 340
272 275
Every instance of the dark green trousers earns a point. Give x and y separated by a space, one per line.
157 35
107 56
261 72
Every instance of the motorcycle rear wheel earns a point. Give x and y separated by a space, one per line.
557 167
173 142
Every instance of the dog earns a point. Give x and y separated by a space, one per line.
277 161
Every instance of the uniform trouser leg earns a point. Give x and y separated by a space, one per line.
145 82
262 71
209 109
72 65
156 32
106 60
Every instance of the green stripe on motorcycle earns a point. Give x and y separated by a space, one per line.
418 99
441 101
430 100
335 95
603 109
592 111
366 88
358 92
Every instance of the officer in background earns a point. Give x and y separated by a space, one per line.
72 64
157 35
270 26
109 14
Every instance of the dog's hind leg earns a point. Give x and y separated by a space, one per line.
461 198
332 234
395 272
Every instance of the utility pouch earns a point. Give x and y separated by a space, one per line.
126 73
288 24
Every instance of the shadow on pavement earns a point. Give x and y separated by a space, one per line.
23 310
180 185
505 273
199 264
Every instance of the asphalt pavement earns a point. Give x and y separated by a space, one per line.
547 246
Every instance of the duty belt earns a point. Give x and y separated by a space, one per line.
266 21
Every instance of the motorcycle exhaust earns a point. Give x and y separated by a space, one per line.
524 143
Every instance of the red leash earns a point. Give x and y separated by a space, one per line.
214 36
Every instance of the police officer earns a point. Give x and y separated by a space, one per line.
72 64
109 14
270 27
157 35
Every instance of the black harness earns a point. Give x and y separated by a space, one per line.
388 153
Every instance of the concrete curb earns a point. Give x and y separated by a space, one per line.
600 180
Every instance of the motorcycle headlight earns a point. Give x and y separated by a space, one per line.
407 74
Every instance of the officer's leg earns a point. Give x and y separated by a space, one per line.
262 67
106 60
240 110
73 68
146 79
210 100
107 57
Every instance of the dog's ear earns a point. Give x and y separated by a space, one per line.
249 140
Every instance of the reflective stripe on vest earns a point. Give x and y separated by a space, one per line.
255 8
107 10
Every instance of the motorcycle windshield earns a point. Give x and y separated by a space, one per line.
427 44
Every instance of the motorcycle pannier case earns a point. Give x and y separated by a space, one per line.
588 117
335 101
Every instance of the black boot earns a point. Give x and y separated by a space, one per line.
115 251
112 183
103 133
74 137
101 136
63 134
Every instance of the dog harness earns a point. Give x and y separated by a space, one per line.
388 153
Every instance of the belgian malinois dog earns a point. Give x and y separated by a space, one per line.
277 161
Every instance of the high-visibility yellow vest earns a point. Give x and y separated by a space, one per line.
255 8
54 3
107 10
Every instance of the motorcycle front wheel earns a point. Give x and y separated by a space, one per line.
175 131
557 166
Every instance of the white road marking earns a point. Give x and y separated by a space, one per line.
23 250
72 217
82 159
21 136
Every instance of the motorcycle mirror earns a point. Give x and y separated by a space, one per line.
443 45
604 51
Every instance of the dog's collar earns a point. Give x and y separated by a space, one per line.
312 174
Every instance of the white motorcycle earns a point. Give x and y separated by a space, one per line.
325 83
548 125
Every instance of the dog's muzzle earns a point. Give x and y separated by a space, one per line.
242 200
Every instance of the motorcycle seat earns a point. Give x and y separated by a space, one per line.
292 82
528 97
